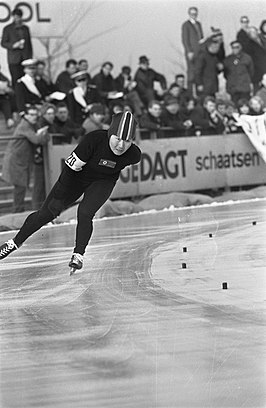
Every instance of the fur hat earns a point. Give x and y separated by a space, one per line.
123 125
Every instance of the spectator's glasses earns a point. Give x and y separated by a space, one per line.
245 21
235 47
81 80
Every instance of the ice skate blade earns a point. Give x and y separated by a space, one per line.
72 271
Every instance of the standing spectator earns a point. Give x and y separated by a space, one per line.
6 99
45 121
18 159
26 90
207 68
145 78
81 97
258 55
262 90
16 39
242 35
152 120
125 84
191 35
105 83
238 72
95 120
64 125
64 83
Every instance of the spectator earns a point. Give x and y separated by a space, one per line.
95 120
256 106
152 120
64 125
262 34
262 90
81 97
145 78
191 35
64 83
238 72
207 68
18 157
105 83
258 55
243 106
231 123
45 121
243 35
16 39
215 35
6 100
207 119
43 82
125 84
183 95
83 65
26 91
171 118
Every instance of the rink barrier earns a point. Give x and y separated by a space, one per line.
177 164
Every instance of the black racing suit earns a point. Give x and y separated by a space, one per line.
92 169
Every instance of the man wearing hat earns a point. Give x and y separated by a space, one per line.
145 78
95 120
16 39
91 170
26 90
81 97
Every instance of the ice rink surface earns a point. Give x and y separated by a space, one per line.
145 324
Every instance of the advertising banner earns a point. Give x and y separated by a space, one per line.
180 164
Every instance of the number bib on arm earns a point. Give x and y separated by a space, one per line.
74 162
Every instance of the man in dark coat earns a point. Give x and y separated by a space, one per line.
207 68
16 39
64 125
64 83
145 78
105 83
191 35
242 35
238 72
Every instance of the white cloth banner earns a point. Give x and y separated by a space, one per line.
255 129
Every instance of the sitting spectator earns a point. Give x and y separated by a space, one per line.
238 72
42 81
95 120
262 34
65 126
230 123
116 107
258 55
171 118
183 94
81 97
256 106
6 99
243 106
145 78
105 83
242 35
26 91
125 84
84 66
187 114
262 90
207 68
152 120
18 159
45 121
207 119
64 83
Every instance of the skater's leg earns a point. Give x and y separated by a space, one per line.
94 197
56 201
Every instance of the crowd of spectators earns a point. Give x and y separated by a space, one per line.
76 102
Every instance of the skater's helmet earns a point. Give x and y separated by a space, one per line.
123 125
